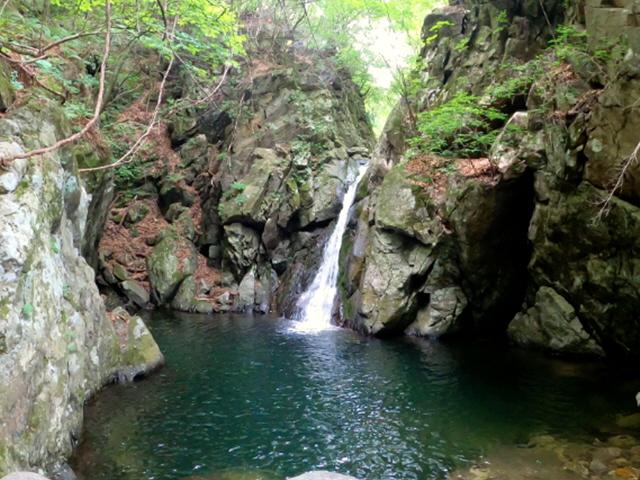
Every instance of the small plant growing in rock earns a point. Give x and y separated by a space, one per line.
458 127
435 29
16 84
502 21
462 45
55 246
27 310
571 45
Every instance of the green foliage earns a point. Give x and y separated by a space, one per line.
204 35
241 199
127 174
462 45
75 110
519 79
571 44
27 310
355 29
567 40
55 247
435 29
15 83
239 186
458 127
502 22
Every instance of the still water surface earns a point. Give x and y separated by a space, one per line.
248 394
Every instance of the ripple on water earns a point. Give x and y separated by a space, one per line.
245 396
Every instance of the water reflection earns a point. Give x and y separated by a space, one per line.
243 394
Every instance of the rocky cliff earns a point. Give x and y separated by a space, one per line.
455 236
58 345
227 213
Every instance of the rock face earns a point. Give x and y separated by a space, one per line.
251 188
552 323
172 260
443 245
57 344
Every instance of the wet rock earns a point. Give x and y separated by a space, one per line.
139 352
185 226
171 261
52 317
184 301
629 421
120 272
135 292
7 93
136 213
592 268
445 307
598 467
242 246
10 178
552 324
174 211
403 208
395 266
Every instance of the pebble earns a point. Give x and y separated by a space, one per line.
597 467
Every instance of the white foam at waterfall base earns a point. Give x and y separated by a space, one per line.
316 303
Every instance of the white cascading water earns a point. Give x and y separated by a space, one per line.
315 305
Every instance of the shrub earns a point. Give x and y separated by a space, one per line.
458 127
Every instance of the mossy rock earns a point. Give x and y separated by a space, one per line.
184 299
136 213
7 95
404 208
120 272
135 292
172 260
140 354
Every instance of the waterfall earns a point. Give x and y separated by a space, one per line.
316 303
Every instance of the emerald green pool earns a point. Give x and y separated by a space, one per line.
246 394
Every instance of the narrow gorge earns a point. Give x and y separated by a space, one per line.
232 249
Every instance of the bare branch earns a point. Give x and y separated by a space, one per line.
631 159
98 107
69 39
164 18
32 76
4 5
211 94
128 156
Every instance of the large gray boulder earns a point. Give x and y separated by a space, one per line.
395 265
552 324
171 261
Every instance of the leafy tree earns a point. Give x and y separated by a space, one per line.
55 48
458 127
